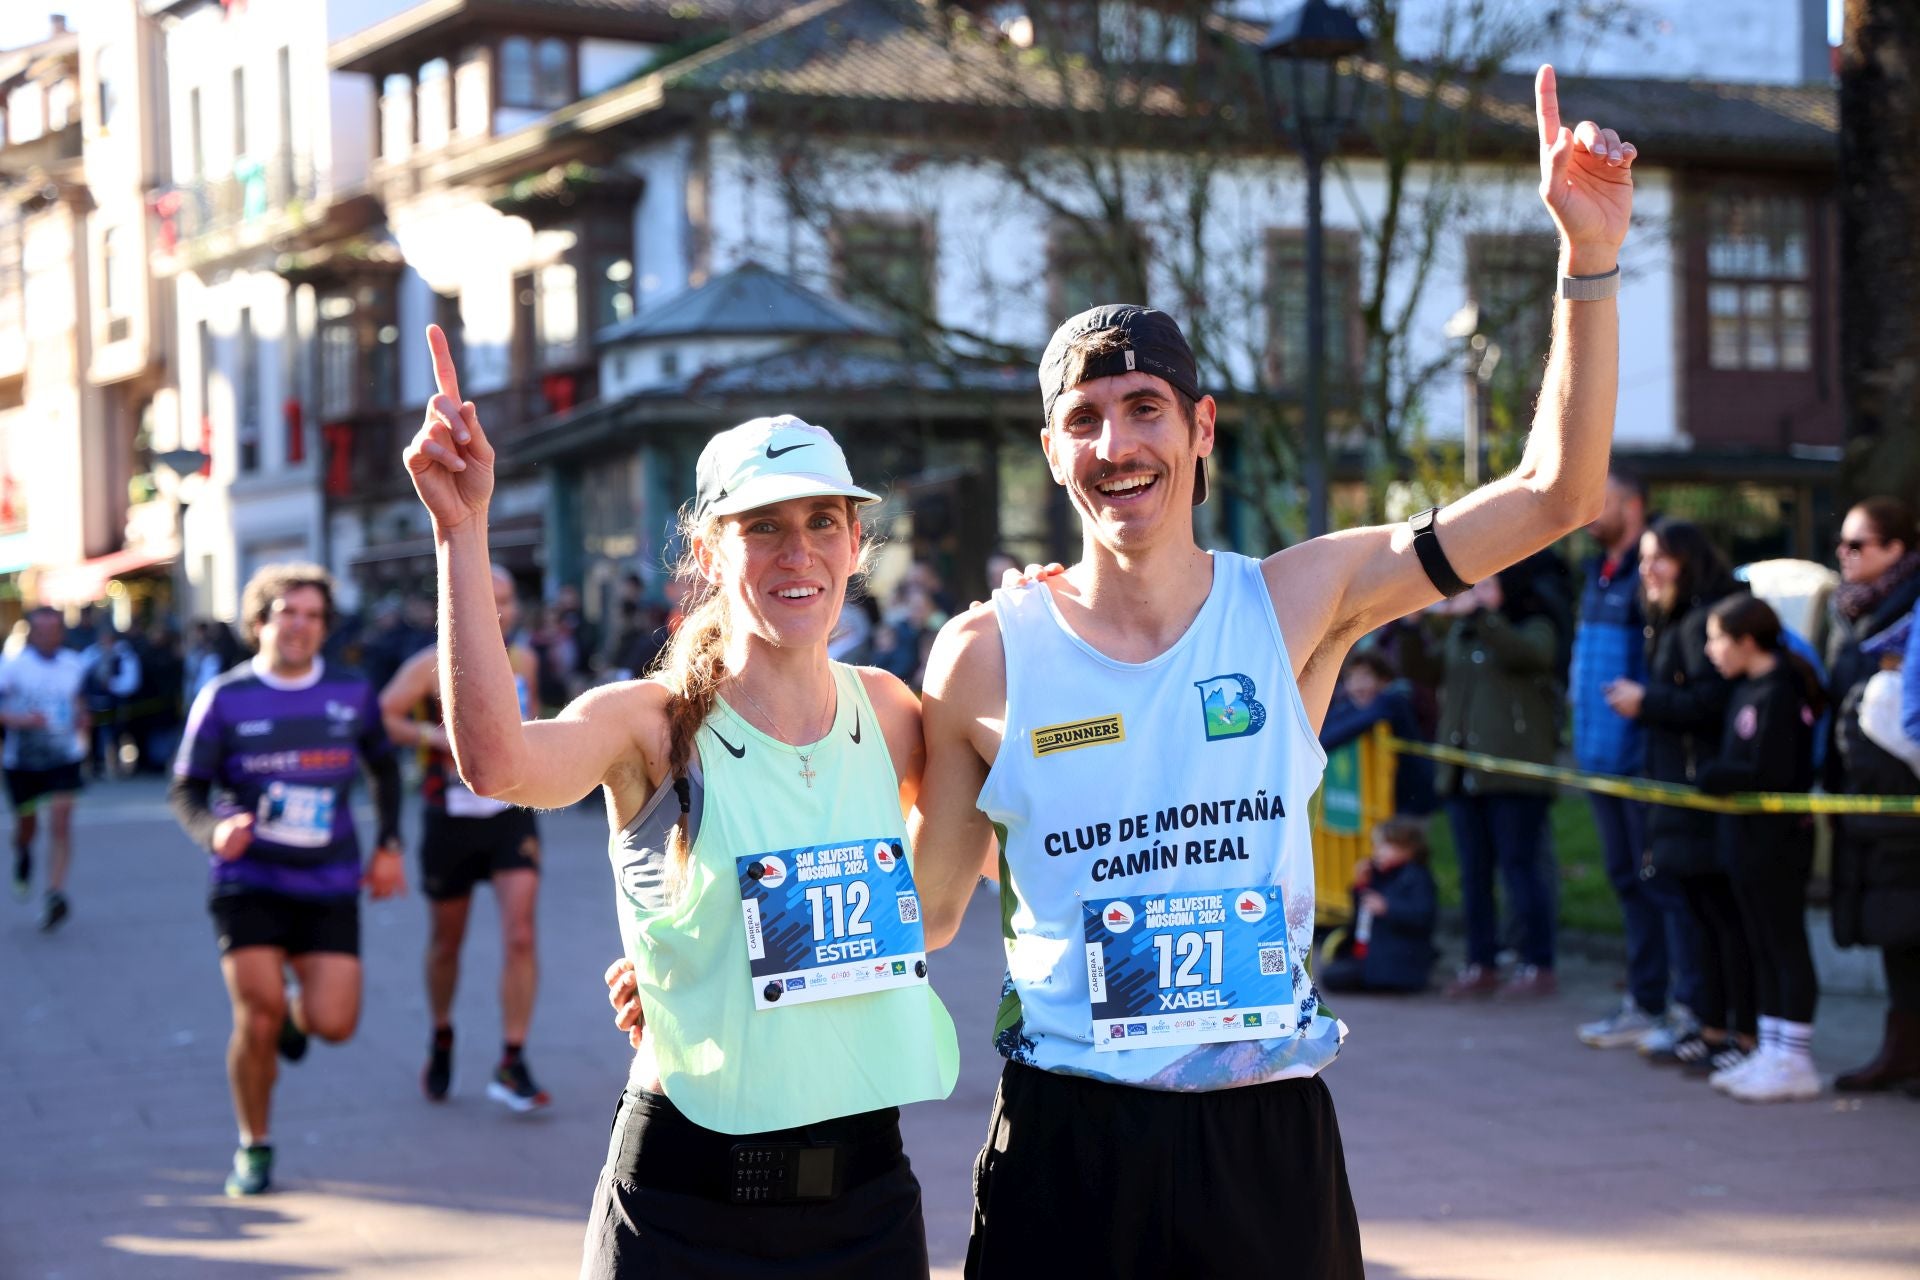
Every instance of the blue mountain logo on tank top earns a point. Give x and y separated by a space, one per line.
1229 707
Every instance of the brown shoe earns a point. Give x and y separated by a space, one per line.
1474 980
1528 982
1897 1061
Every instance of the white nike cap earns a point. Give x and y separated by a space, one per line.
770 460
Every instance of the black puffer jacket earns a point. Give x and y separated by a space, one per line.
1848 668
1684 711
1876 861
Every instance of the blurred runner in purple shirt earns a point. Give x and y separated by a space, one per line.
263 781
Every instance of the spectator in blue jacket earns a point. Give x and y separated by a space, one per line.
1371 692
1394 903
1610 644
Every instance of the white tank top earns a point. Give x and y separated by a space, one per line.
1157 873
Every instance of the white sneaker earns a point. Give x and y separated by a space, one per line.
1739 1068
1669 1029
1624 1026
1780 1077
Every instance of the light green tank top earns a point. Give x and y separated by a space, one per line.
729 1065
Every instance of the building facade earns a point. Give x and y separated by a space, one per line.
911 199
225 226
269 155
85 328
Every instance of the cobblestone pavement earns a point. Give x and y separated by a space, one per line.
1483 1143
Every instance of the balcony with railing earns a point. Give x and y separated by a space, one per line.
363 451
41 154
257 201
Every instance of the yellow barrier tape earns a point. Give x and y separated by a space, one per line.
1667 793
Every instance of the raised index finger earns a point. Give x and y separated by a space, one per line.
1546 104
444 376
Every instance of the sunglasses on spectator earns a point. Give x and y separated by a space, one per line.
1854 546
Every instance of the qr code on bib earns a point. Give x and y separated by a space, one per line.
1273 960
909 908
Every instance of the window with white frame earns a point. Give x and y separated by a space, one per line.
1759 282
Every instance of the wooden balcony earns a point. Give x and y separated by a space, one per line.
364 451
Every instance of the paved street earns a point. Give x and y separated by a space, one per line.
1483 1144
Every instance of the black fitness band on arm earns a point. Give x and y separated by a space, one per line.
1426 545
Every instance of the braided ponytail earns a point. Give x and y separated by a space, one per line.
692 668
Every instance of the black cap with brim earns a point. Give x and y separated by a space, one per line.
1153 344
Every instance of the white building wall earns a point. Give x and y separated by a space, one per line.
1763 41
629 367
46 434
237 522
455 243
662 231
992 248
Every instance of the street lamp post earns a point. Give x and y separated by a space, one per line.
184 463
1298 63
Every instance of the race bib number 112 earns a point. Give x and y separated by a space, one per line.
831 920
1189 968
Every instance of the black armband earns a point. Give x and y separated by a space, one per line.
1426 545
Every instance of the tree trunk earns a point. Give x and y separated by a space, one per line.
1879 258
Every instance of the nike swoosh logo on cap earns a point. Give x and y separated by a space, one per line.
855 735
774 453
738 752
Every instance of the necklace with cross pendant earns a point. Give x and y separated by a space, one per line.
807 772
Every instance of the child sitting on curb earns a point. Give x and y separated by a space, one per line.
1390 947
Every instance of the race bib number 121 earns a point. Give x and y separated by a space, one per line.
1189 968
831 920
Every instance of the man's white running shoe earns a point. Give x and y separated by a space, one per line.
1779 1077
1624 1026
1728 1076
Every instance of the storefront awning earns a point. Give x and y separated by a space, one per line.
86 582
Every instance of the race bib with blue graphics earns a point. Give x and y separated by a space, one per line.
831 920
297 816
1189 968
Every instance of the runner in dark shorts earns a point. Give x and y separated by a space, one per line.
44 710
465 840
1143 730
26 788
264 782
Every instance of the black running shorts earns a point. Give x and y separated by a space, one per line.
28 787
458 853
662 1208
297 926
1080 1177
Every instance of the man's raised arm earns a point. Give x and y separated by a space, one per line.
1372 576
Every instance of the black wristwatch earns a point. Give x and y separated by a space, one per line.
1426 545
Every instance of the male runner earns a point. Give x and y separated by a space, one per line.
1144 727
264 781
44 708
465 839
